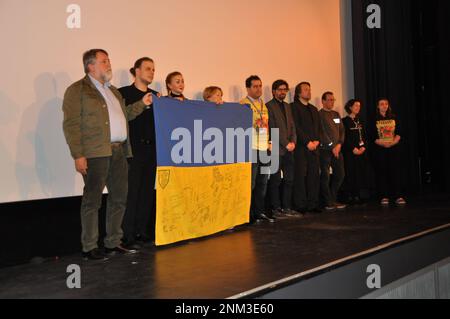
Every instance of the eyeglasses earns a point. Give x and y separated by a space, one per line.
283 90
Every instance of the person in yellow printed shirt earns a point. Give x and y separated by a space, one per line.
387 153
260 144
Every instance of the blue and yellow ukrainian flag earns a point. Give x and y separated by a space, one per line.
197 196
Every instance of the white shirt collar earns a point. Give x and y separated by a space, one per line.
98 84
253 100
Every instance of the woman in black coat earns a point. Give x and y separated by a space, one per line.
355 153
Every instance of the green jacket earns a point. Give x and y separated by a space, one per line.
86 120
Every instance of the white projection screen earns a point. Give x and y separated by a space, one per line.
211 42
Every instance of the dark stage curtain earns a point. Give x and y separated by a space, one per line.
406 60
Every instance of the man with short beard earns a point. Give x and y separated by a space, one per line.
96 130
140 216
261 145
281 118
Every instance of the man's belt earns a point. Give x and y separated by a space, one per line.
117 144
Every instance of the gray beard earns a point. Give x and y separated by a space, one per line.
107 77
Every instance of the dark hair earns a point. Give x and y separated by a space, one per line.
298 90
389 112
276 85
348 106
90 56
325 95
169 78
305 83
248 82
138 64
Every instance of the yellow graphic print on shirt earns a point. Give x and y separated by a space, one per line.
386 130
260 124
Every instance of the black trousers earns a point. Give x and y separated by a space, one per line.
276 180
307 179
140 216
358 174
259 190
388 167
329 190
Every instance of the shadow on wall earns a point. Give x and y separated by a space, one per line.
122 78
158 86
236 93
198 96
44 165
8 120
317 102
267 93
291 95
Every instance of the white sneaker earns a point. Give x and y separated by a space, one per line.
400 201
385 202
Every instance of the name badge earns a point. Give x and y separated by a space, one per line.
263 132
337 121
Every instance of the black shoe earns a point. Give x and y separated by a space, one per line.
350 200
278 213
289 213
119 250
145 241
254 221
267 218
292 213
132 245
355 201
94 255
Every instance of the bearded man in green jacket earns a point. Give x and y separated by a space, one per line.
96 130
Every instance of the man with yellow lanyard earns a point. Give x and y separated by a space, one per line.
260 144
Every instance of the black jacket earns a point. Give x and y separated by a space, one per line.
142 128
285 123
353 135
307 123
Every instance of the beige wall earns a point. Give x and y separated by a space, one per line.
211 42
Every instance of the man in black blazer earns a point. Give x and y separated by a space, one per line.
307 155
281 118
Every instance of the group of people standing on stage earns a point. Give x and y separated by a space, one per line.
320 153
111 136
